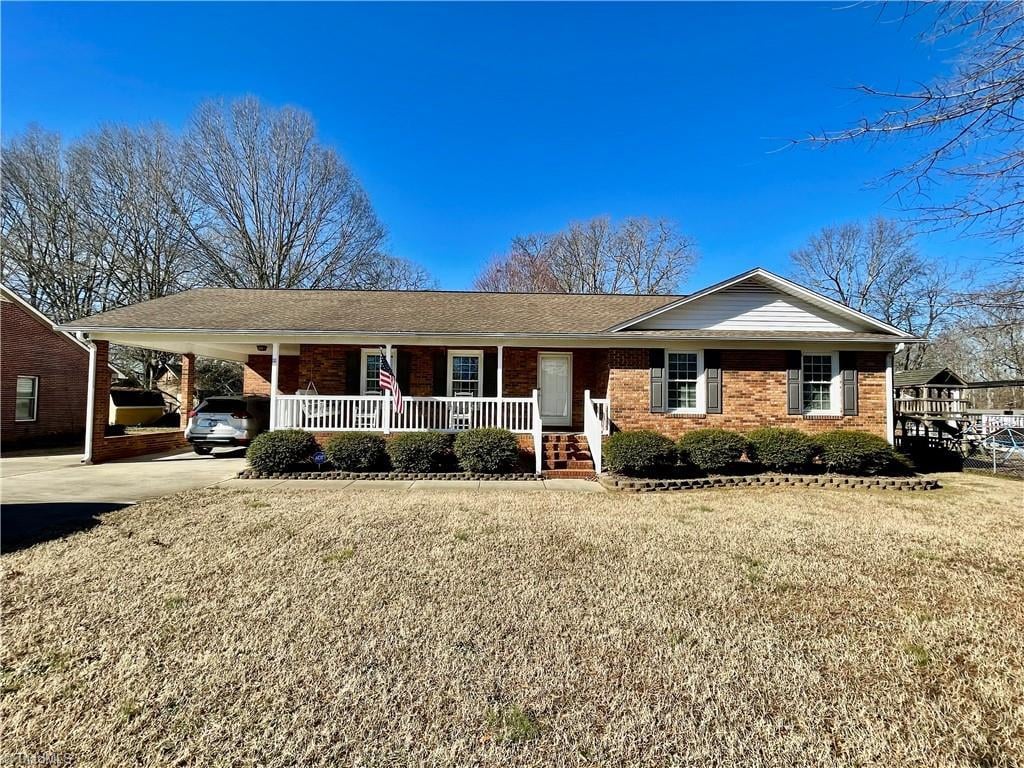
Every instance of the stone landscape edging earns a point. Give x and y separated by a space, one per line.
332 474
643 485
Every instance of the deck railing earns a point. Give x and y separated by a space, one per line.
932 405
374 413
596 424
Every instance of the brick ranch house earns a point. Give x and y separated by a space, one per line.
42 378
556 369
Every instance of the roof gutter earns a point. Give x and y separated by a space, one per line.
598 336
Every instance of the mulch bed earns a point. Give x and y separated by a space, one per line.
249 474
643 485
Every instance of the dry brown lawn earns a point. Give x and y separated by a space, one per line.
785 627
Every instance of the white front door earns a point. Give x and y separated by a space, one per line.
554 380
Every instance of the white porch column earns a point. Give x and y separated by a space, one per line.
890 405
90 405
387 397
275 354
538 436
501 387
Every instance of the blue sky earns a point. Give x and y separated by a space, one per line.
469 123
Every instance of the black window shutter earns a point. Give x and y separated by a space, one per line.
490 374
657 365
794 382
848 377
353 371
440 373
713 376
404 372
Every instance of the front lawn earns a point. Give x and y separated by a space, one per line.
740 627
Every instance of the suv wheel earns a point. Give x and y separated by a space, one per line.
202 450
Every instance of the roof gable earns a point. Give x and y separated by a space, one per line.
8 295
758 300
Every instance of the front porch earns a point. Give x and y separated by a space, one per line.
526 390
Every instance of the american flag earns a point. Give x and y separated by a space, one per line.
388 382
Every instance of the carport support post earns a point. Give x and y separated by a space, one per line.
188 387
274 355
90 405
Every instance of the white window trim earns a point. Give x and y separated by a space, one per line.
479 355
363 354
35 399
836 384
702 385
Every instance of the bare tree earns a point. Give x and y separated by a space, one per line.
638 255
277 209
968 127
875 268
52 254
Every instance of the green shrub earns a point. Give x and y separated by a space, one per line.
640 453
281 450
712 450
850 452
494 451
420 451
781 449
357 452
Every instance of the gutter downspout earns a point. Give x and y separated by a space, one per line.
90 399
890 404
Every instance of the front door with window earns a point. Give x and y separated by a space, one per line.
554 380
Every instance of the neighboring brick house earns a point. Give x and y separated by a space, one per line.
753 350
43 376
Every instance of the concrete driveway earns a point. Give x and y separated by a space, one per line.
46 496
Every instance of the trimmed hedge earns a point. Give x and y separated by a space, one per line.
850 452
357 452
281 450
781 449
640 453
711 450
420 451
491 451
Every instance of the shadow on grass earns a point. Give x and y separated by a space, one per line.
22 525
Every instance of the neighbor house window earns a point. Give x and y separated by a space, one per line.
683 379
465 373
818 378
26 398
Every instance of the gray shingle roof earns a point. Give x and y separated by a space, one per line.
233 309
923 376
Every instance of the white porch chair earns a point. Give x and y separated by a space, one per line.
460 414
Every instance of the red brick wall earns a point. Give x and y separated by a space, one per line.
30 348
256 375
753 395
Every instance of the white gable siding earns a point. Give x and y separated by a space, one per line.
750 307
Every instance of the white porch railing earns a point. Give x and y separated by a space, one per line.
596 424
373 413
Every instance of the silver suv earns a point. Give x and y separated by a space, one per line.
227 421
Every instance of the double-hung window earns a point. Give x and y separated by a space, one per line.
819 380
465 373
26 398
683 379
369 384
